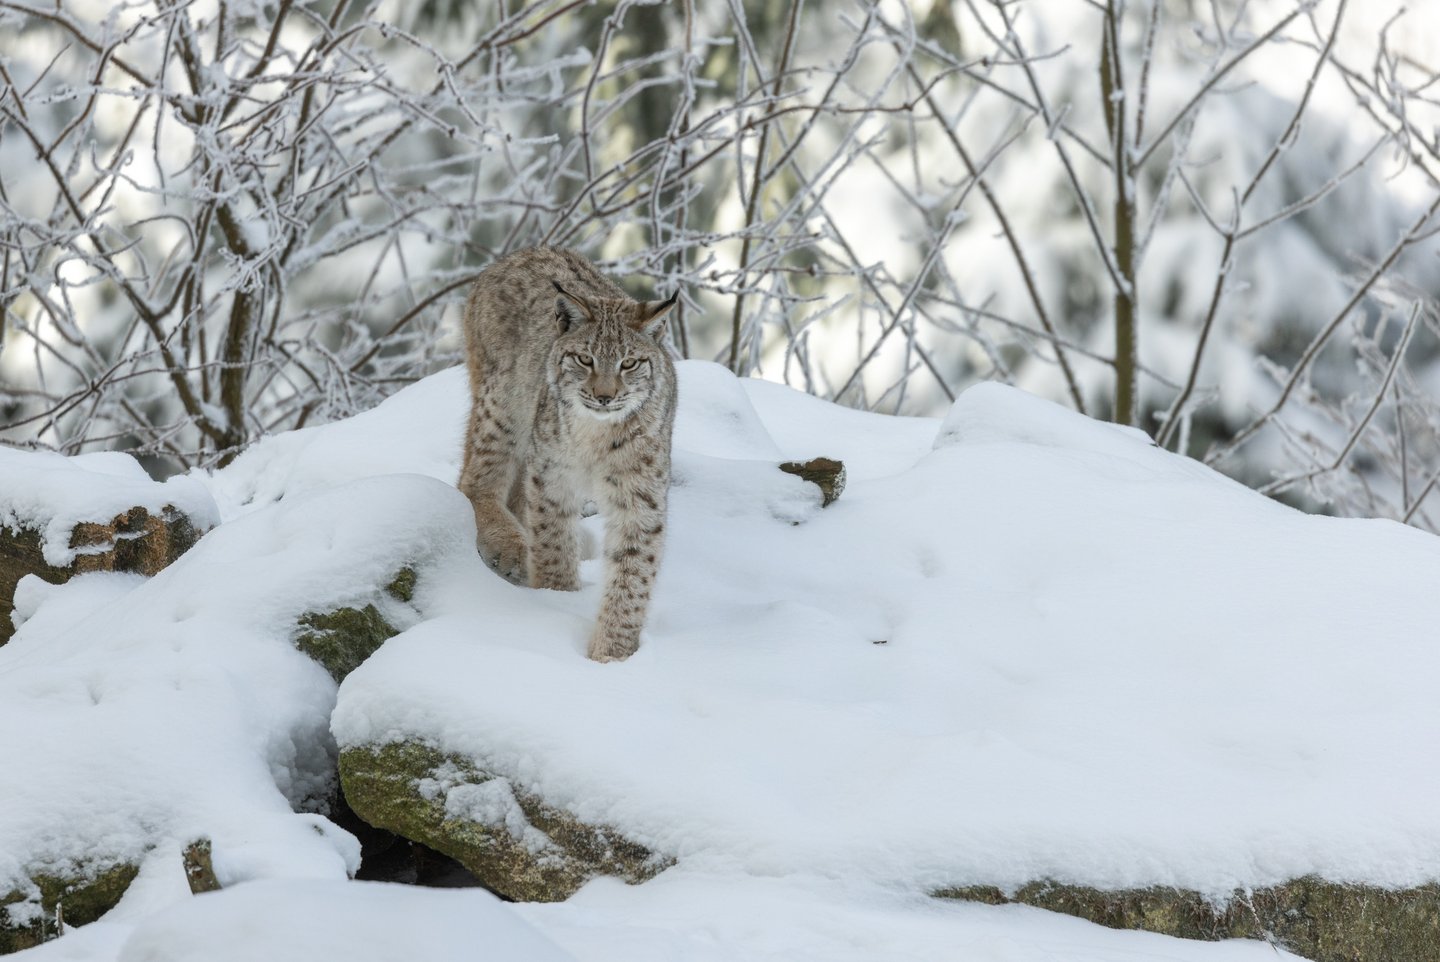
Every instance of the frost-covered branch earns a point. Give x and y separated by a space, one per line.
222 220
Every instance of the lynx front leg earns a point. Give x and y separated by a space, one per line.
634 537
486 479
552 510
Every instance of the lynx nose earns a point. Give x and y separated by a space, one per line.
604 389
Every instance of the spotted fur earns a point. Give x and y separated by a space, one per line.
573 400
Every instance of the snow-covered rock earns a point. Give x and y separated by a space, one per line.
1328 921
1024 646
64 516
54 493
141 713
512 841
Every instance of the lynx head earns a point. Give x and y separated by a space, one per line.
608 356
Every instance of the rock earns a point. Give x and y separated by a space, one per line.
1320 920
825 473
199 870
512 841
132 541
342 638
402 587
34 914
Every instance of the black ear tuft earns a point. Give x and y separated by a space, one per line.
570 310
652 316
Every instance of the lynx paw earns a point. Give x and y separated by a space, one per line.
611 646
507 559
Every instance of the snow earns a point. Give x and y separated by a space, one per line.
53 492
358 921
707 918
1022 645
698 918
177 707
417 431
1041 648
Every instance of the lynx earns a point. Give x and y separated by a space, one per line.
573 400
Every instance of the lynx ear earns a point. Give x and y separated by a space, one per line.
650 316
570 311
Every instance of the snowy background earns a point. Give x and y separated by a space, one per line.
259 216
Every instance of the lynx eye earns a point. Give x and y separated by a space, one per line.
629 364
584 360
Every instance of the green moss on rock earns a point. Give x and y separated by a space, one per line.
341 639
403 587
1320 920
28 917
511 840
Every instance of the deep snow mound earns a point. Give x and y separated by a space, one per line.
1024 645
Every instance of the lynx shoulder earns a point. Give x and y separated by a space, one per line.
573 400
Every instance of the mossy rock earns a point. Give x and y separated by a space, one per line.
133 541
29 917
514 843
341 639
402 588
1314 918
